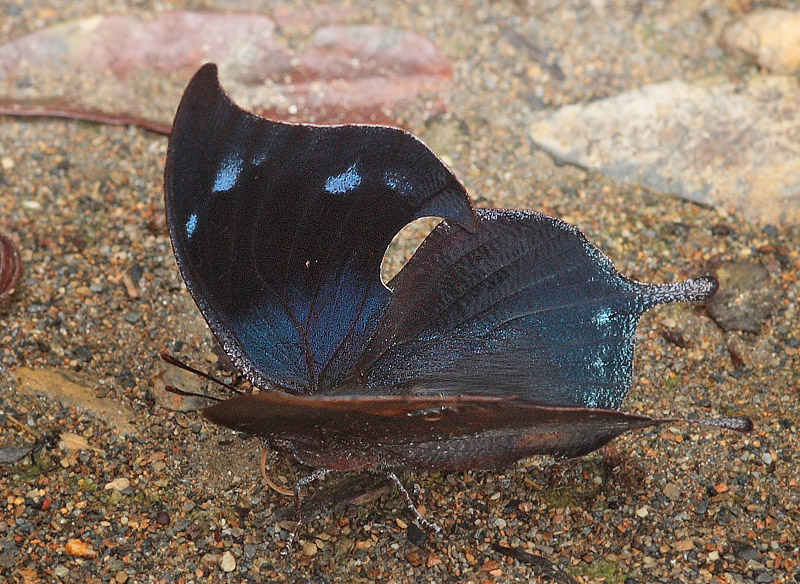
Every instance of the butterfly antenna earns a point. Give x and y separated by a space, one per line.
180 364
183 392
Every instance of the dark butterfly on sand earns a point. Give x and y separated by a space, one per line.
507 334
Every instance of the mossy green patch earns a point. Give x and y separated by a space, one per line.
601 571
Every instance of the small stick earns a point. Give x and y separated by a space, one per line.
272 485
64 109
24 427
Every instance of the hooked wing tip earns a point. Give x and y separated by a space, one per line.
207 73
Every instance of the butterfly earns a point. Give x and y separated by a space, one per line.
506 335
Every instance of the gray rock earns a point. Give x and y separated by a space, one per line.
745 551
718 144
61 571
14 453
746 297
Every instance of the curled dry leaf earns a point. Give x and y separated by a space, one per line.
10 269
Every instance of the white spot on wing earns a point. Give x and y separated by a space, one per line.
260 157
397 182
602 318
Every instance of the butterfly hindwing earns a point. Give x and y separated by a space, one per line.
524 307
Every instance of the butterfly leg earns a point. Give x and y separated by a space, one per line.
298 513
430 526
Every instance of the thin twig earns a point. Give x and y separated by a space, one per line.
272 485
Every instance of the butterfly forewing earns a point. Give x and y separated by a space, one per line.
279 230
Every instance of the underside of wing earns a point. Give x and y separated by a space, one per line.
458 433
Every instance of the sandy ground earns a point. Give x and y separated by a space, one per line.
178 500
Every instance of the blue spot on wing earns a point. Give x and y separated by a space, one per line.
228 174
344 182
191 225
397 182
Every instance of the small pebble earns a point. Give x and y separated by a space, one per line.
80 549
61 571
118 484
228 562
133 317
672 492
310 549
162 518
416 535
